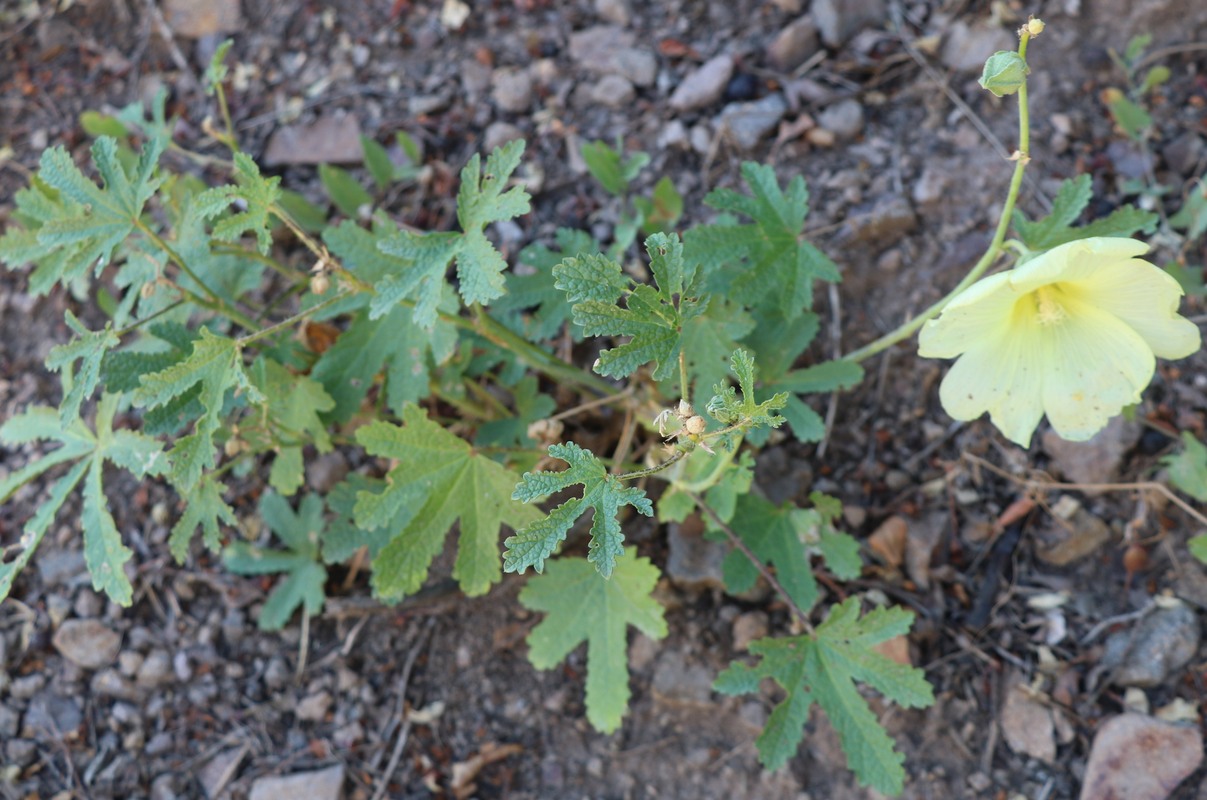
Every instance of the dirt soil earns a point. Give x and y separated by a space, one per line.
904 157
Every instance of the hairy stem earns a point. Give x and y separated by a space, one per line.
1021 157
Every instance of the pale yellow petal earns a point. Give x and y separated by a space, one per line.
1145 298
1003 377
1073 261
979 312
1094 365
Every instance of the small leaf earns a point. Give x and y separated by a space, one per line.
584 606
255 192
603 493
1188 469
608 166
1004 73
378 162
90 348
345 191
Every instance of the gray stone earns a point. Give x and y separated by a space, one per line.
88 604
613 91
51 715
216 773
324 784
512 90
1140 758
87 643
1184 152
609 50
746 124
1096 460
155 670
164 787
498 134
61 567
694 563
330 139
793 45
111 683
194 20
27 686
844 119
1159 646
889 220
748 627
313 707
839 20
20 752
967 47
678 683
326 470
10 722
704 85
617 12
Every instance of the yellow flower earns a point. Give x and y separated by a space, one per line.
1072 333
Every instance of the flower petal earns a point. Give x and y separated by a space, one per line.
1145 298
981 311
1002 376
1094 365
1073 261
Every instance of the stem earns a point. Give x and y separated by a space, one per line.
683 386
215 302
641 473
229 140
290 321
737 542
496 333
1021 158
139 323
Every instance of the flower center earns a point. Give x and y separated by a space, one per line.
1049 305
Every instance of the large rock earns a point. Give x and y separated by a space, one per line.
87 643
1137 757
324 784
328 140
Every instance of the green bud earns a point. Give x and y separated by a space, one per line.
1005 73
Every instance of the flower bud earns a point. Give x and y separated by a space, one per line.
695 425
320 283
686 410
1035 26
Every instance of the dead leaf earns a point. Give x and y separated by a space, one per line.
888 541
464 772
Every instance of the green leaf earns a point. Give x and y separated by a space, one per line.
530 406
584 606
602 493
767 261
96 124
39 523
776 534
300 531
1197 545
216 365
378 162
1132 119
828 376
1154 77
205 510
104 552
663 210
343 537
653 318
345 191
294 403
610 168
537 291
442 477
254 192
216 71
307 215
90 348
745 413
71 224
480 201
393 342
1004 73
823 669
1191 218
1056 228
1188 469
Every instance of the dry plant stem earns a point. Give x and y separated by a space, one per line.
405 729
641 473
590 404
737 542
1141 486
995 246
